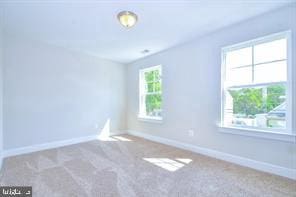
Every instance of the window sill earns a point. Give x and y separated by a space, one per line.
287 137
150 119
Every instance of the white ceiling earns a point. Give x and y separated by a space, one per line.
92 26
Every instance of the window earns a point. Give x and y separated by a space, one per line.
256 84
150 93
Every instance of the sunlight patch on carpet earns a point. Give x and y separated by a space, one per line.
165 163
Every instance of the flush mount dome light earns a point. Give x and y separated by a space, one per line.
127 18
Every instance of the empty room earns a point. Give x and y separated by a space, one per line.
148 98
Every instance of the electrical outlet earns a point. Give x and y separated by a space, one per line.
191 132
96 126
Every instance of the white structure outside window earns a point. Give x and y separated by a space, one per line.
150 89
256 84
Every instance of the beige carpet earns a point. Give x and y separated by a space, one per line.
128 166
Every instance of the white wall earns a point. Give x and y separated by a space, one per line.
191 91
1 88
52 94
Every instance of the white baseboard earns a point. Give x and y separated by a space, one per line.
45 146
258 165
121 132
50 145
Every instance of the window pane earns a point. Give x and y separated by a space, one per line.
241 57
273 72
270 51
276 106
157 75
150 87
157 86
153 105
262 107
149 76
239 76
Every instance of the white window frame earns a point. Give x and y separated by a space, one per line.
141 114
286 134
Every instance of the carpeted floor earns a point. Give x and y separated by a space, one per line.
129 166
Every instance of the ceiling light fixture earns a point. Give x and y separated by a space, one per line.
127 18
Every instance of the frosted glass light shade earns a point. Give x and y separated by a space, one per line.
127 18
